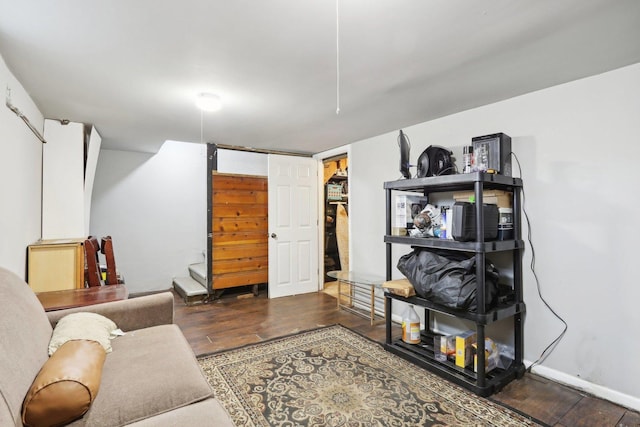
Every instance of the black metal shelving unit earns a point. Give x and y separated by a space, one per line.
481 382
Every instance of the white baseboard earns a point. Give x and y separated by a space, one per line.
596 390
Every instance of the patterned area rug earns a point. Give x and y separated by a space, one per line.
335 377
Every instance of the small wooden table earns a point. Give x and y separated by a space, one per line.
367 285
71 298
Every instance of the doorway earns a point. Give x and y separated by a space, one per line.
336 217
290 233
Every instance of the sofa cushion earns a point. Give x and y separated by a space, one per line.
82 326
130 314
25 332
202 414
150 371
66 385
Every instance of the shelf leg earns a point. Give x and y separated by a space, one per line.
427 320
480 354
373 305
388 232
387 317
518 328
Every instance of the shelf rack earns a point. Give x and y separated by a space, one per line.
481 382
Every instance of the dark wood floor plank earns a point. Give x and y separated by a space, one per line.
552 401
592 412
238 319
630 419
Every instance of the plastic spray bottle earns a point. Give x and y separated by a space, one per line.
410 326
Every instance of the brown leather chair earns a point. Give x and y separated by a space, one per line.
92 274
113 278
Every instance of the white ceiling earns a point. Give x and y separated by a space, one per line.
133 67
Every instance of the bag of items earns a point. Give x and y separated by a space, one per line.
448 279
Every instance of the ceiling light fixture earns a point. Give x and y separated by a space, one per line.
208 102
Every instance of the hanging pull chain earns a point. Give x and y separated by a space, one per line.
337 57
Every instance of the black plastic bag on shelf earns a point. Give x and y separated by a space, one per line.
448 278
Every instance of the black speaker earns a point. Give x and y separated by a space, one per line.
435 161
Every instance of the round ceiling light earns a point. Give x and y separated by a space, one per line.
208 102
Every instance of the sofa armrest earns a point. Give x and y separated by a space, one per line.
130 314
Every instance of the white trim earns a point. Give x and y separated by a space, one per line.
596 390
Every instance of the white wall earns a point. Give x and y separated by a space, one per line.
155 208
63 204
93 151
243 162
20 175
578 146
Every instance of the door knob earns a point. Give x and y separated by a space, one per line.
274 235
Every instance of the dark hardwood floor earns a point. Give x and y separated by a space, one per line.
238 318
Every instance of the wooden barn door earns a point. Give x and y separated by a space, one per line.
239 226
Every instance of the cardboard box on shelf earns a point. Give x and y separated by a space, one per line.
399 225
464 348
406 207
444 346
400 287
489 197
491 355
334 192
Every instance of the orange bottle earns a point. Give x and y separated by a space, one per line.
410 326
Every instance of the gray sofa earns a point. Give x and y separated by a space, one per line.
151 378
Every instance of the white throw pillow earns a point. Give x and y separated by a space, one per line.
82 326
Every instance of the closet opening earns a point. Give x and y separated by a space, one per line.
336 218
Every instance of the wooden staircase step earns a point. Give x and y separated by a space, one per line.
189 289
199 273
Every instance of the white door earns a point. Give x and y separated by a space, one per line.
293 225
